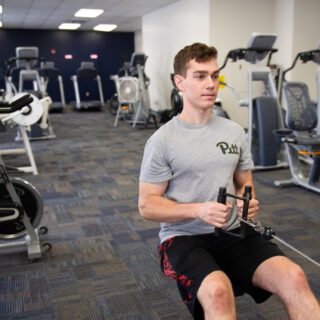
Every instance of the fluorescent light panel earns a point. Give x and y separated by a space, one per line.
88 13
69 26
105 27
0 24
0 8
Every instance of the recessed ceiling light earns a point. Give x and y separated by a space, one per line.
88 13
105 27
0 8
0 24
69 26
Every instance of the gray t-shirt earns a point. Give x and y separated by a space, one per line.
196 160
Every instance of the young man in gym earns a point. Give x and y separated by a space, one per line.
185 163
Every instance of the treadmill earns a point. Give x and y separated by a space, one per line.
87 73
265 112
49 76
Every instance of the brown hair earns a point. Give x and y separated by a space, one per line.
198 51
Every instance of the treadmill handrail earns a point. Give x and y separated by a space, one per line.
239 54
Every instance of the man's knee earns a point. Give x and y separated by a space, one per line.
281 276
297 278
215 291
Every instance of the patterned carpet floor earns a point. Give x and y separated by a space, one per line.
104 263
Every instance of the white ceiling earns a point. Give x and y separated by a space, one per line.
49 14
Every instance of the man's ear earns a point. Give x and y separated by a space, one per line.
178 80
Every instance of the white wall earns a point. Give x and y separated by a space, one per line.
284 21
306 37
138 45
164 33
231 24
227 25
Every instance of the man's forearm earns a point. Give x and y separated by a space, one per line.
161 209
243 179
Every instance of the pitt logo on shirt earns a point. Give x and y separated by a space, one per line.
228 149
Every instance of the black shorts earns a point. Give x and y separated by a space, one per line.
189 259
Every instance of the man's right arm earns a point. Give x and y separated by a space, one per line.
154 206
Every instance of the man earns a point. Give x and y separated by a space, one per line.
184 164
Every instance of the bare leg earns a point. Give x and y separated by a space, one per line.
216 297
287 280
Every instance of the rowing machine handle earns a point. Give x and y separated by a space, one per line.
247 195
222 198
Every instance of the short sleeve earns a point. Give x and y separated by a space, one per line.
245 161
155 167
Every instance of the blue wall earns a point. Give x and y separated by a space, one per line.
112 49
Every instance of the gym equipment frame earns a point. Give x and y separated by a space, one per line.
267 231
265 113
23 110
302 138
21 210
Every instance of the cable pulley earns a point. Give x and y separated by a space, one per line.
269 234
267 231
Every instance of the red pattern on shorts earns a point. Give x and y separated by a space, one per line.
167 269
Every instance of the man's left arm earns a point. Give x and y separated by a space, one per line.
241 179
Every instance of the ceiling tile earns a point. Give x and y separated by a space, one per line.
42 14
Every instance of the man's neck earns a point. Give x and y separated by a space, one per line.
196 116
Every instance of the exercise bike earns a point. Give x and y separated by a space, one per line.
21 113
302 135
21 206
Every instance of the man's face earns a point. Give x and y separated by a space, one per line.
200 84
